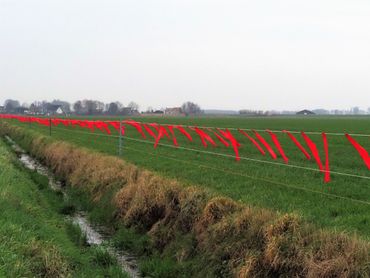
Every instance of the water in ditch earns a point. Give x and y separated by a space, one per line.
95 235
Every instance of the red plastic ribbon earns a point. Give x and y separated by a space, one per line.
278 145
117 125
162 131
227 134
296 142
267 146
361 150
155 126
184 132
204 137
170 127
254 142
313 149
55 122
102 126
137 126
150 132
222 140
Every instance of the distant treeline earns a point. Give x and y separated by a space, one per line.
92 107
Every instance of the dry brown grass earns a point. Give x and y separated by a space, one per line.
252 242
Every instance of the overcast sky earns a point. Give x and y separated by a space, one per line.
260 54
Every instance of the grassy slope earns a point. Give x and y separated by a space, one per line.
34 239
264 185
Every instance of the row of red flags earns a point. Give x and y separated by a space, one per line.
224 137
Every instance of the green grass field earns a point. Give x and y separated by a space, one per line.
343 204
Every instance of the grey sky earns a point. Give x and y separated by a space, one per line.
260 54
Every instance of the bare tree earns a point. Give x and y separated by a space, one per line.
190 108
133 106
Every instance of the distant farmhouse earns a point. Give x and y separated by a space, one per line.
175 111
305 112
53 109
2 109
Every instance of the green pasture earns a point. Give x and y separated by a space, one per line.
343 204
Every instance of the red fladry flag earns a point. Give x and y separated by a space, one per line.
45 122
64 122
55 122
90 125
117 125
103 126
265 144
150 132
137 126
184 132
296 142
236 145
162 131
222 140
314 151
277 144
204 137
326 150
254 142
170 128
74 122
361 150
155 126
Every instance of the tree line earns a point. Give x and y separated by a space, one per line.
87 107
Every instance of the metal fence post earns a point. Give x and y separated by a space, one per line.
120 138
50 126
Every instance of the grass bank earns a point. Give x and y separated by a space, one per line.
204 235
35 240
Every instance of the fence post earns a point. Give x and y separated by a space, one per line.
120 138
50 126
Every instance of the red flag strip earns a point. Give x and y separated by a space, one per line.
254 142
222 140
361 150
117 125
228 135
204 137
326 149
184 132
103 126
65 122
313 149
296 142
278 145
137 126
55 122
74 122
155 126
162 131
89 124
45 122
170 127
151 133
267 146
158 128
